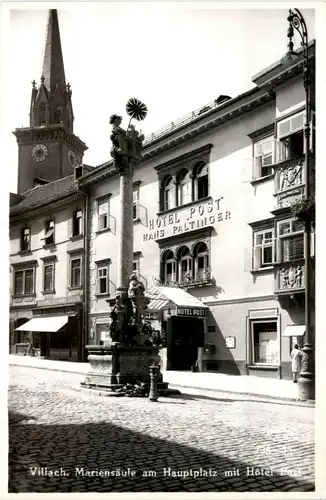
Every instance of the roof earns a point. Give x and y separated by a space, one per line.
42 195
163 297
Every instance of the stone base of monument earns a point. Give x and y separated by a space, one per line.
111 368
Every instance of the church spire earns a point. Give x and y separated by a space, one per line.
51 102
53 67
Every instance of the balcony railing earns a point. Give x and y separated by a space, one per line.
189 281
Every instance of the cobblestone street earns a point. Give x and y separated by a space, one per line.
66 439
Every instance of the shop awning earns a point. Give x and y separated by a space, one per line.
294 331
44 324
165 297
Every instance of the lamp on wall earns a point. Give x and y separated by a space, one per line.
306 382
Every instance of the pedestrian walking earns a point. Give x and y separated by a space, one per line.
296 362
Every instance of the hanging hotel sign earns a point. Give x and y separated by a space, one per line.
200 216
194 312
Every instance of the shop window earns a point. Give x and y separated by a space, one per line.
49 232
290 134
167 193
75 272
184 188
25 239
264 342
103 279
77 220
135 205
48 277
263 251
103 215
103 334
290 240
263 157
24 282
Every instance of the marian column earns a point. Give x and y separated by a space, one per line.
126 153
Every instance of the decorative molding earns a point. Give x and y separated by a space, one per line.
49 258
188 159
107 260
136 184
137 255
262 224
189 236
262 132
24 264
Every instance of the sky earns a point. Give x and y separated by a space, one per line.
174 57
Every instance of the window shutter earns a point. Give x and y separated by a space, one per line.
142 214
71 223
107 284
248 258
248 170
97 285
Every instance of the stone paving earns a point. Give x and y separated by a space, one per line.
65 439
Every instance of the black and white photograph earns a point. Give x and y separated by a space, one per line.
161 163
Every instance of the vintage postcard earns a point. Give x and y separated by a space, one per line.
162 246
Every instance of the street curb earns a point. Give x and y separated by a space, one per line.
185 387
295 402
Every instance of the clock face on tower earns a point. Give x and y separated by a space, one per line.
39 152
72 160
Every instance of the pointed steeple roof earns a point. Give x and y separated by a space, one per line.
53 68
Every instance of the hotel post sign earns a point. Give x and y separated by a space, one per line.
195 217
191 312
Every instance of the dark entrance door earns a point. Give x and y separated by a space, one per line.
184 342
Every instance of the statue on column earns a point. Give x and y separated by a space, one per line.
127 145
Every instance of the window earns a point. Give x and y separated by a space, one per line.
48 277
24 282
49 232
135 205
103 215
201 181
186 268
75 272
184 264
77 223
201 262
291 137
290 240
169 267
135 267
167 193
264 342
25 239
263 157
263 253
184 188
103 280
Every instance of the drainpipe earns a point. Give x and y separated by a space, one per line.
86 268
85 196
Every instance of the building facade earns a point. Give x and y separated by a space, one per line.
47 223
215 242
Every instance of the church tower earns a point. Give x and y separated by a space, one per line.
48 148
